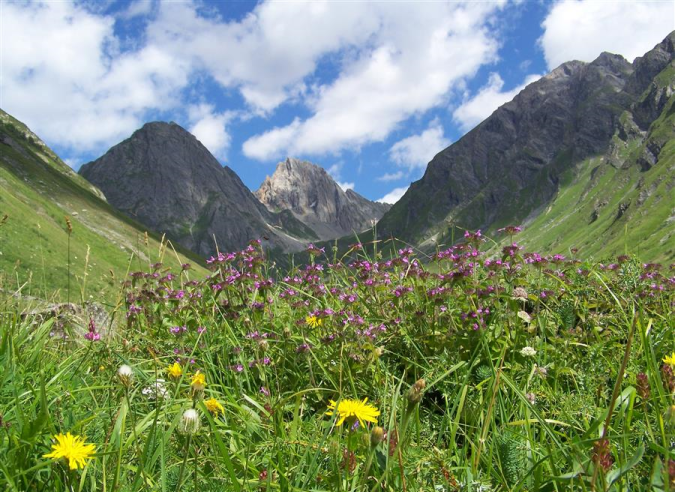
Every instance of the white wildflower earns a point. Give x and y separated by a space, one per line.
190 421
528 352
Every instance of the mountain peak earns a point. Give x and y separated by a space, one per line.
316 199
510 166
164 177
565 70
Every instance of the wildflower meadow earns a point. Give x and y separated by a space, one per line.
473 369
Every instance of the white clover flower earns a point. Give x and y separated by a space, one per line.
528 352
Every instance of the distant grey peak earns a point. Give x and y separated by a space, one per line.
165 178
565 70
310 193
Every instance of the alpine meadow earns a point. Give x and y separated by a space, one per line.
180 313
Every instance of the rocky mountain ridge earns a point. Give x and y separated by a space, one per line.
509 168
47 209
165 178
314 198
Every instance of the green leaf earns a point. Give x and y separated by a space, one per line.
614 475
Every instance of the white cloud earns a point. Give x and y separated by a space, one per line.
335 170
475 109
394 195
137 8
74 81
345 186
403 71
581 30
275 139
64 76
416 151
391 176
336 173
268 53
210 128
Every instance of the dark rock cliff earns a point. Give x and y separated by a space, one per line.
509 166
166 179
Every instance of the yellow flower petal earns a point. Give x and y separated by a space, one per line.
73 449
353 409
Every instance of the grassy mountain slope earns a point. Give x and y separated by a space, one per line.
38 191
584 158
615 203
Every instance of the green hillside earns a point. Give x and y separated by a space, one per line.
611 204
621 201
38 192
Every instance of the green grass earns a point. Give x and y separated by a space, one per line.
588 406
646 227
39 190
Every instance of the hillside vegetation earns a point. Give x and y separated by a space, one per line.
619 202
512 373
582 159
38 192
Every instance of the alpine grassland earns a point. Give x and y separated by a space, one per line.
59 238
376 369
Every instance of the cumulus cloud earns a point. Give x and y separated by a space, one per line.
69 76
381 86
475 109
391 176
416 151
394 195
582 29
266 55
210 128
137 8
63 75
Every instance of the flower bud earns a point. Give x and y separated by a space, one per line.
198 384
519 293
125 374
189 423
642 383
376 436
415 391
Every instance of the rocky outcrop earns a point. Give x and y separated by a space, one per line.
315 199
509 167
166 179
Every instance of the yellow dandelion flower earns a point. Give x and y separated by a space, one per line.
198 380
175 370
353 409
73 449
214 406
313 321
670 359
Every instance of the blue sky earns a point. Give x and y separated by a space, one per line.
369 90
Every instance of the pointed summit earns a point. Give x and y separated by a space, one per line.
165 178
314 198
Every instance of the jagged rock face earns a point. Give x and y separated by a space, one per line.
166 179
315 199
509 166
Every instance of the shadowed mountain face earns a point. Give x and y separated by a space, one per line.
509 167
315 199
166 179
